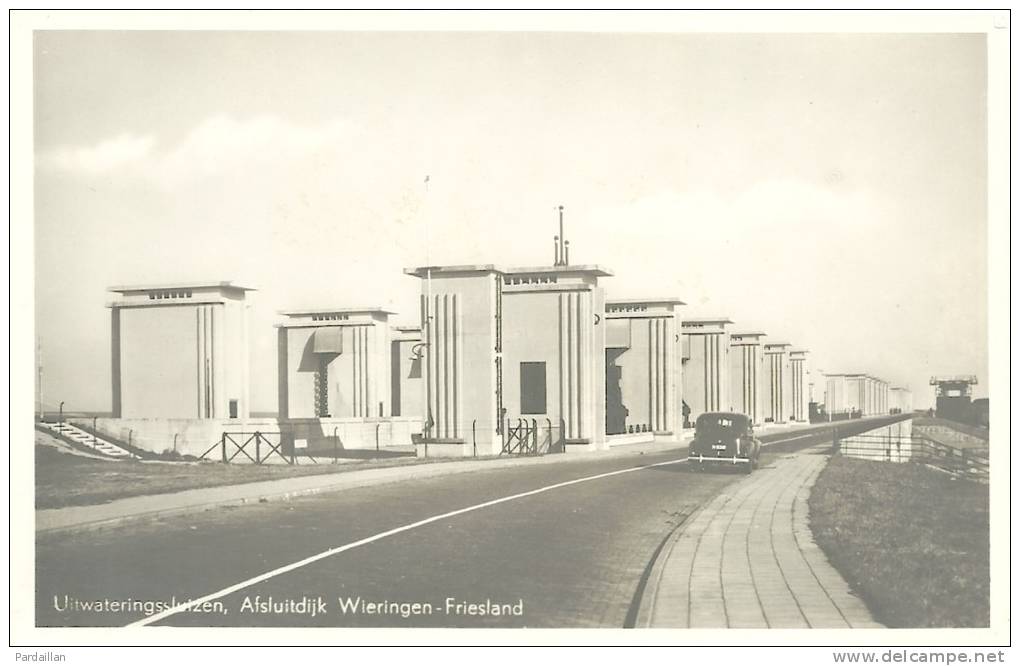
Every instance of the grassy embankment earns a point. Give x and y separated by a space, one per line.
912 542
62 479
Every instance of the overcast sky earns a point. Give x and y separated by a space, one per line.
827 189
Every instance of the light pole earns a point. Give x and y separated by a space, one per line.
60 417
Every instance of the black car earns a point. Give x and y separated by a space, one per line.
724 438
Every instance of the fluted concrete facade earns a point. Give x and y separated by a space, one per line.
900 400
747 370
857 394
643 375
347 376
799 394
706 366
778 383
489 333
180 351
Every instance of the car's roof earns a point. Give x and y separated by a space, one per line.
712 416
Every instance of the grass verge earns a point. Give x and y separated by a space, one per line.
912 542
62 479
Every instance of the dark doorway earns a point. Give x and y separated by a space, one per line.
533 387
616 411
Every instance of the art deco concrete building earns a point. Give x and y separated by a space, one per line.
900 400
838 402
514 348
334 363
799 393
706 367
856 394
180 351
778 385
643 380
747 372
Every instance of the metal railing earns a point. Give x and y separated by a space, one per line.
528 437
234 444
970 463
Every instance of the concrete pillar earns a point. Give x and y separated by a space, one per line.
746 370
777 395
461 359
799 394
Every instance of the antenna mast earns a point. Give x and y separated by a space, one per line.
562 245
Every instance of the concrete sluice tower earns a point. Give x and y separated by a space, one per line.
799 397
706 367
747 367
643 380
509 346
778 385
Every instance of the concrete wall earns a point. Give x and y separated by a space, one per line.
747 369
564 327
460 358
628 395
643 368
482 324
355 381
777 386
195 436
296 375
799 394
891 443
837 395
856 393
526 340
180 352
900 399
706 373
323 436
407 379
160 375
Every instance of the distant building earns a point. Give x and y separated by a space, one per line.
778 386
838 401
952 397
900 400
180 351
799 390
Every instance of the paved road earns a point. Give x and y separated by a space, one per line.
572 555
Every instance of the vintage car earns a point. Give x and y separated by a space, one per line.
724 438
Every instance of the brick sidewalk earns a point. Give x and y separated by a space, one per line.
748 560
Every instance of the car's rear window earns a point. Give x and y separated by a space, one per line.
721 422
